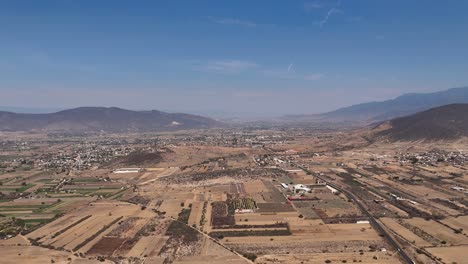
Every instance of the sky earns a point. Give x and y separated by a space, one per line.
243 57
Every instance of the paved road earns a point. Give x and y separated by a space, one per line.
372 220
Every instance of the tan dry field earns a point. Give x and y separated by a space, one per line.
454 254
264 219
211 260
438 231
39 201
55 226
207 226
154 260
315 233
171 207
366 258
32 255
452 169
102 214
301 177
147 246
404 232
195 214
457 222
38 216
224 188
256 186
305 227
78 234
217 197
90 261
19 250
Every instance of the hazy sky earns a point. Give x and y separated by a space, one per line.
276 57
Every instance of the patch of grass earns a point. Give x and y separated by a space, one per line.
45 180
19 189
19 207
86 180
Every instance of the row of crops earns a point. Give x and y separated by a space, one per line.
243 203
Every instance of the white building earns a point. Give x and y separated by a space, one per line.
128 170
301 188
458 188
333 190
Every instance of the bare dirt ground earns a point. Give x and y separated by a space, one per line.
456 254
439 231
373 257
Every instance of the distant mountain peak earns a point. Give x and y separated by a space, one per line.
405 104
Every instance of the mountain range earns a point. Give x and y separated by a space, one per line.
403 105
94 119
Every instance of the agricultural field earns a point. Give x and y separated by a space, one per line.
214 202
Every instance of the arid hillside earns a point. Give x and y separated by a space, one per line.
445 122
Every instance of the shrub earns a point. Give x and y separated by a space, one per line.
250 256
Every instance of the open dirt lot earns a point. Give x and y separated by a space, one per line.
439 231
404 232
367 258
454 254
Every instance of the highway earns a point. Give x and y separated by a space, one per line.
372 220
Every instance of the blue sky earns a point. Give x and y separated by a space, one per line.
251 57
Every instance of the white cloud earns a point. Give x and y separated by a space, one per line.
329 13
309 6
